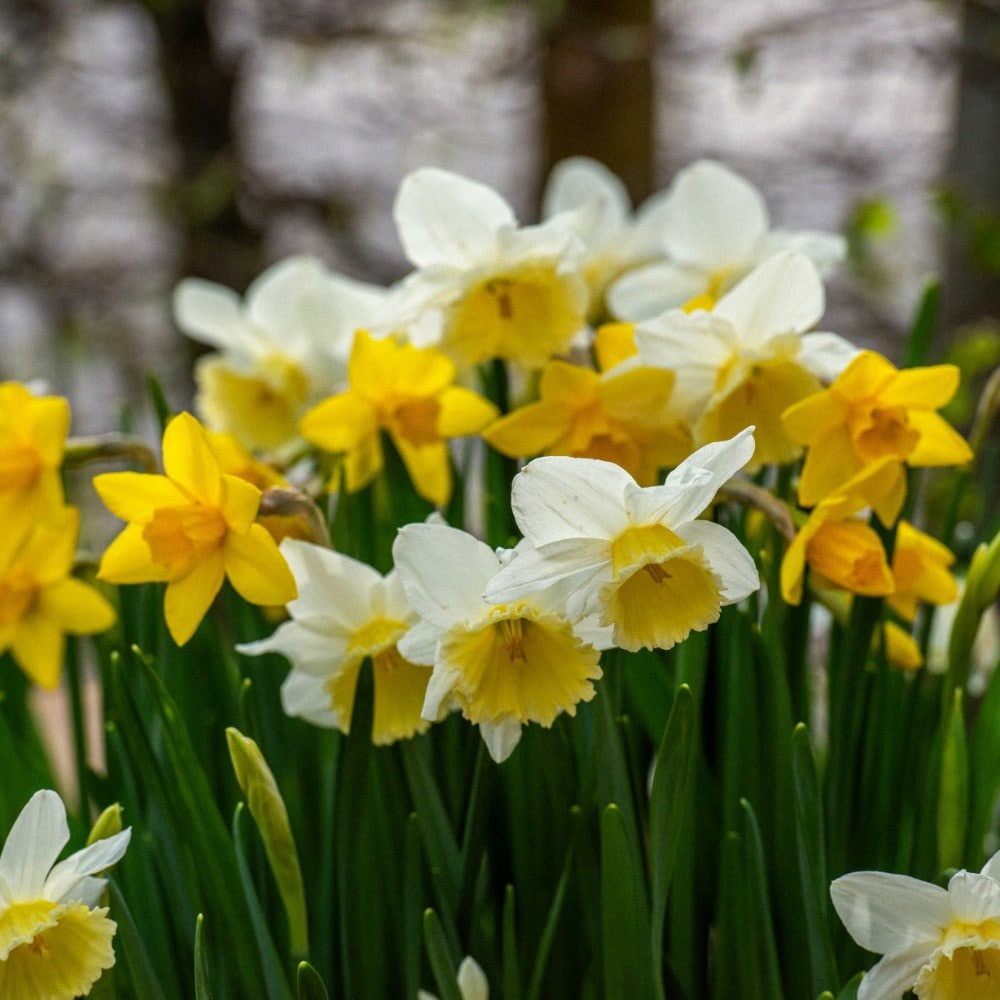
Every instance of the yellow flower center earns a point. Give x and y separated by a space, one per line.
520 664
414 419
966 967
18 593
20 466
52 950
180 537
525 315
882 432
375 637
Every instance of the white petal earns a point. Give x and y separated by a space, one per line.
397 604
889 913
444 572
500 738
716 217
578 180
726 557
419 644
89 891
992 867
211 314
557 497
974 897
444 218
472 981
651 218
100 856
330 584
439 687
573 561
782 295
826 355
315 644
35 840
692 486
648 291
895 974
825 250
306 697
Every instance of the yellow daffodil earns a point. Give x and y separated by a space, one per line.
874 411
40 602
749 358
483 287
943 944
55 938
625 416
613 344
278 351
901 650
715 230
33 433
346 612
504 664
408 392
637 558
842 550
920 570
191 528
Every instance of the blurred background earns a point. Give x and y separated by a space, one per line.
142 141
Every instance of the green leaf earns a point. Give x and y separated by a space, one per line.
549 931
628 964
440 958
850 991
953 789
202 980
671 779
130 946
918 346
511 966
310 985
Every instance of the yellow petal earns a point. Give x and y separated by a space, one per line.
429 467
923 388
378 366
793 568
866 376
188 599
38 649
849 554
462 412
363 463
568 384
133 496
529 430
814 417
639 396
257 569
189 460
900 649
76 608
240 503
50 416
613 344
128 560
829 463
51 548
340 423
939 444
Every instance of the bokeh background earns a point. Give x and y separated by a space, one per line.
142 141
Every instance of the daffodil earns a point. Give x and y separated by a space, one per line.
715 230
409 393
920 571
484 287
472 982
874 411
943 944
626 416
503 663
40 602
191 528
614 239
637 557
750 358
346 612
281 349
55 938
33 433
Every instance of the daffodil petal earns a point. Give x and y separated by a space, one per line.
650 290
51 416
240 503
98 857
211 314
890 978
829 463
133 496
939 444
814 417
826 355
927 388
189 460
501 738
529 430
463 412
257 569
34 843
726 558
188 599
339 423
76 608
38 648
128 560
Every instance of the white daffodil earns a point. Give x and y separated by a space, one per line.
346 612
55 939
472 984
485 288
715 230
281 349
750 358
503 664
943 944
614 238
637 557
